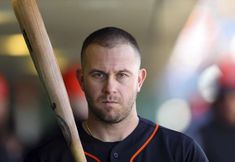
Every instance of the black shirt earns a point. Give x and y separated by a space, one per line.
218 141
147 143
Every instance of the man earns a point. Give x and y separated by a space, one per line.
111 77
217 135
10 146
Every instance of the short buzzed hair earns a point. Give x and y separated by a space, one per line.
109 37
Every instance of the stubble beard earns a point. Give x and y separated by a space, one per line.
117 116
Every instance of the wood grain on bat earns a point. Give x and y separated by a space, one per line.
41 51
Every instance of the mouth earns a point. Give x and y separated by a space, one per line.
109 102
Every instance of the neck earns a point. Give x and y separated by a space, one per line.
111 132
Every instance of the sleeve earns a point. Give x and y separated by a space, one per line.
54 151
195 153
32 157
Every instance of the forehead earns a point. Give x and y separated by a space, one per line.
119 56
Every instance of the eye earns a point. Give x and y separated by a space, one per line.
122 75
98 75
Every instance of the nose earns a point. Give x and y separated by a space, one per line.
110 85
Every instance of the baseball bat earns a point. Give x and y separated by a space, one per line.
41 51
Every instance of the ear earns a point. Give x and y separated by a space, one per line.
80 79
141 77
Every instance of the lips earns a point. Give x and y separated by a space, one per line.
110 102
109 99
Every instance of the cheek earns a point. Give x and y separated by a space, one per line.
135 85
92 89
130 89
231 106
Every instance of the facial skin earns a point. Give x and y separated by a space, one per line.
4 113
228 108
111 79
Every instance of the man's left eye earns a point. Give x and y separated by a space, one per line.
121 75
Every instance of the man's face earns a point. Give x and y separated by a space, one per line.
4 113
229 108
111 79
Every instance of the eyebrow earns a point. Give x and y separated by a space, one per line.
101 71
126 71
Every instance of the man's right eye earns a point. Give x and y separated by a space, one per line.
98 75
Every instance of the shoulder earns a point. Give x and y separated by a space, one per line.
166 135
173 136
53 150
182 146
174 144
